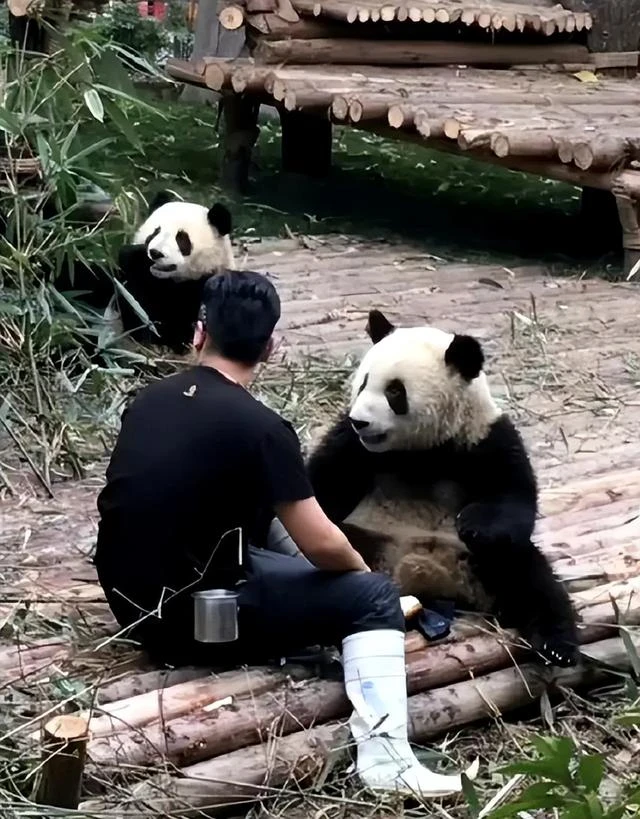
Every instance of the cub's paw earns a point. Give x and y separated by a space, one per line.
482 525
556 650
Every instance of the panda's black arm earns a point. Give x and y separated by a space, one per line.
340 471
502 492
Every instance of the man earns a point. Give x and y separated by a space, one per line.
199 472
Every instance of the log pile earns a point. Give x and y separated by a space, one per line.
238 735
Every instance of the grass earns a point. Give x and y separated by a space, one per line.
459 208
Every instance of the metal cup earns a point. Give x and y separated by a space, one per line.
215 616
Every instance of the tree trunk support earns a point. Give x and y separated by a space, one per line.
629 214
306 143
616 23
240 118
599 220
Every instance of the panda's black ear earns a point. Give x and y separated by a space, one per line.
465 355
378 326
161 198
220 218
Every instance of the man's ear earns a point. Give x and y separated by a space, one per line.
268 350
199 335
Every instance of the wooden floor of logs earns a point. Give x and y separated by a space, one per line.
563 356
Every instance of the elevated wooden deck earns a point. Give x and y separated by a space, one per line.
510 83
564 357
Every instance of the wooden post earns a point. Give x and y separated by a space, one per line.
306 143
599 220
629 213
240 120
616 23
64 749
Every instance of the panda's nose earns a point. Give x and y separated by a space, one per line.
155 254
357 424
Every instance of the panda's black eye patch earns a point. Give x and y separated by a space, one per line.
184 243
152 236
396 395
364 383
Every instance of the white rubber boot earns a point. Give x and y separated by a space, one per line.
376 684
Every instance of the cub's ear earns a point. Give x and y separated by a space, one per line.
161 198
220 218
378 326
465 355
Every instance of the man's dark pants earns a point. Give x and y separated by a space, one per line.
285 606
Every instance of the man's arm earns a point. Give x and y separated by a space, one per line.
290 494
318 538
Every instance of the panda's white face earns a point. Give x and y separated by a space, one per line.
183 242
419 387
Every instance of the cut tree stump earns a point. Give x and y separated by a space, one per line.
65 740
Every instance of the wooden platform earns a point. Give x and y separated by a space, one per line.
524 85
563 355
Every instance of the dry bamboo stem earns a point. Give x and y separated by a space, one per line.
248 774
406 52
64 750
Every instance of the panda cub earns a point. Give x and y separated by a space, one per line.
174 251
432 484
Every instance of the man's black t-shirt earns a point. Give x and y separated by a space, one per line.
197 459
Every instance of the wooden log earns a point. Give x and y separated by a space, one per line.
523 143
132 685
443 709
63 756
405 52
591 492
217 75
200 735
185 71
14 656
546 169
305 29
250 79
400 116
249 773
240 777
231 17
181 699
605 151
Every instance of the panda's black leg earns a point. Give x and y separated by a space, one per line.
529 598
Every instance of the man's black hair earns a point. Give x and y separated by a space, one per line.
241 309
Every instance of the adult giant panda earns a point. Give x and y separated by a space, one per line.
432 484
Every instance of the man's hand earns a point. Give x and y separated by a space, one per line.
320 540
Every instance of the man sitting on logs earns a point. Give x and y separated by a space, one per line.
199 472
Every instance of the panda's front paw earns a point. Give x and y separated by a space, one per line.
557 651
479 525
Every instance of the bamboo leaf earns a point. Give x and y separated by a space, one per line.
94 104
590 771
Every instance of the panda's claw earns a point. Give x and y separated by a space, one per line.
559 653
